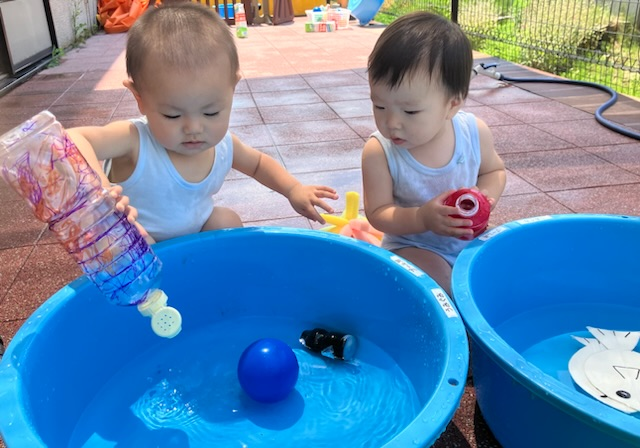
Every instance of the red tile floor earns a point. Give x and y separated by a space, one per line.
304 100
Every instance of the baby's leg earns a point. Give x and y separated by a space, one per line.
222 218
433 264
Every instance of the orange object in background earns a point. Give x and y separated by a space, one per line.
117 16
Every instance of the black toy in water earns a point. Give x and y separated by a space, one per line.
330 344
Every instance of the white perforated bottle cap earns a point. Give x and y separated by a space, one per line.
165 320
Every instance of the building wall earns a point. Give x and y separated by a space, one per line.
62 12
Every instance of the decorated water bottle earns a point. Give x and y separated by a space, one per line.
241 20
41 163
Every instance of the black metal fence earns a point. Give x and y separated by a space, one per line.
588 40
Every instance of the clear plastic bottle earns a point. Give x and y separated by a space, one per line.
41 163
241 20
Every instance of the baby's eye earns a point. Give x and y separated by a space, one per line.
170 117
211 114
378 107
411 112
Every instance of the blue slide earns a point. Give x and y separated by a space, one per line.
364 10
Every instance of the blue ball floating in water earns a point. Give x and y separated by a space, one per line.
268 370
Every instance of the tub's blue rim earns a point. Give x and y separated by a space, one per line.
444 402
545 387
10 397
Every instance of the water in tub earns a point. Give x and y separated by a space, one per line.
548 337
188 395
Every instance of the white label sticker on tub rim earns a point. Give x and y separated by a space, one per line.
408 266
491 233
533 219
443 300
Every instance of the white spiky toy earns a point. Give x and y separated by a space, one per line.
608 368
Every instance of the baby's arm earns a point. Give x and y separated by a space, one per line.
98 143
267 171
386 216
492 176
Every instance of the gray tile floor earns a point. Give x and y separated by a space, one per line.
304 100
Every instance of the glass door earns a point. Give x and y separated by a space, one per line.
26 32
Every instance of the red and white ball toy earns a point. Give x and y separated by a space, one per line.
473 205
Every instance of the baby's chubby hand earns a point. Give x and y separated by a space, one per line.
492 201
436 217
122 205
305 198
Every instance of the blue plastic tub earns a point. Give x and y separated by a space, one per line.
229 10
83 372
523 289
364 10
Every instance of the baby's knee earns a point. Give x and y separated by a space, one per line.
433 264
222 218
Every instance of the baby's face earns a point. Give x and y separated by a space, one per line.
188 110
413 113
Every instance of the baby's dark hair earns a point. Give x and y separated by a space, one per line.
422 42
179 35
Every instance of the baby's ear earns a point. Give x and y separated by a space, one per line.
128 83
455 104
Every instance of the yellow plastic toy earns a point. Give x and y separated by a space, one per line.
351 223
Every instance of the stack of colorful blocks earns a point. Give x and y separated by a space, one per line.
323 19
